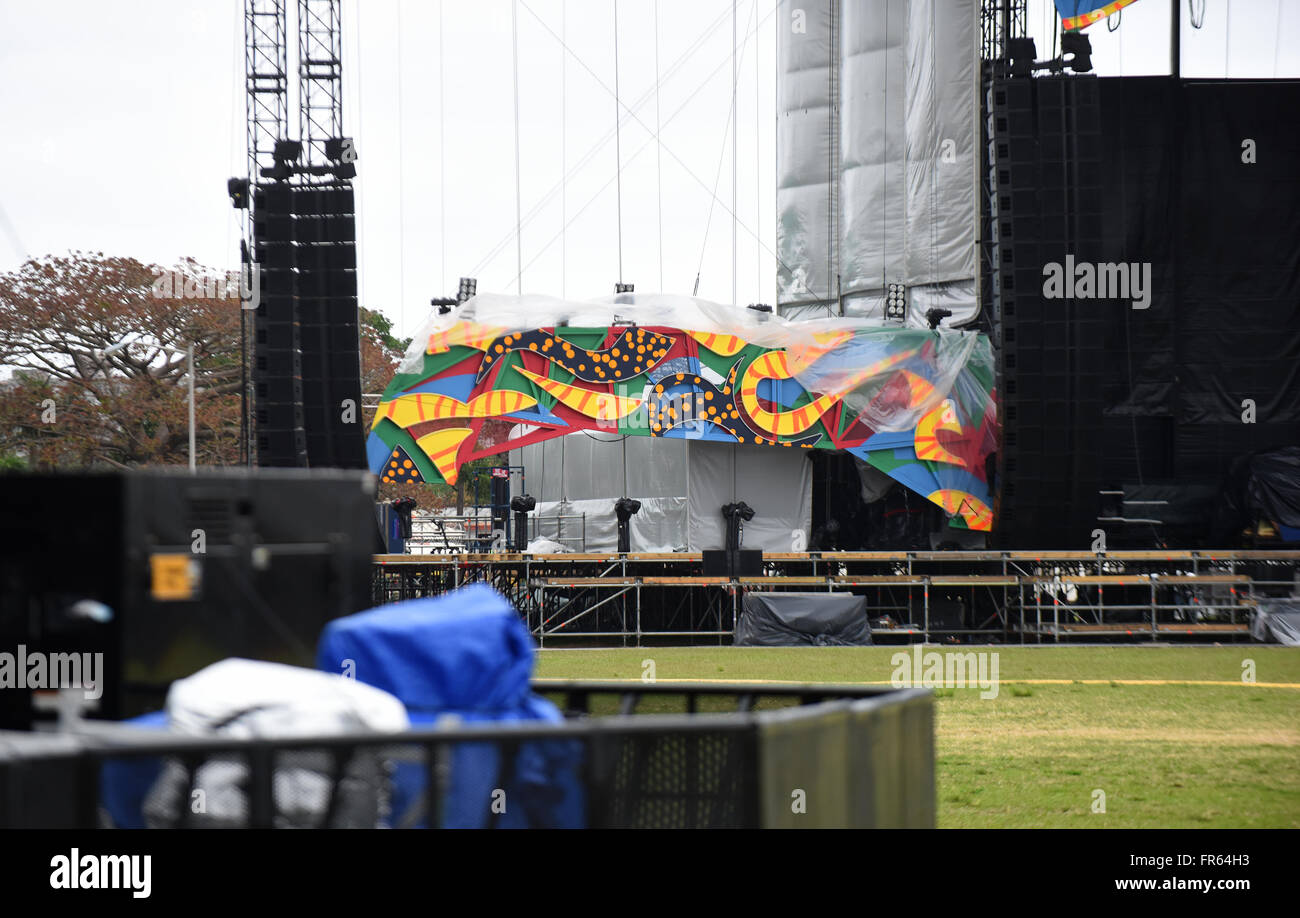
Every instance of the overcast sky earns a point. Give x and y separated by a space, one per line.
124 118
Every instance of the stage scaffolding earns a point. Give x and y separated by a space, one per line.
912 596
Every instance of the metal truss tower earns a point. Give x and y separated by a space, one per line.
1001 20
266 80
320 79
300 240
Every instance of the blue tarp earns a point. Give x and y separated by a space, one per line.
465 654
125 782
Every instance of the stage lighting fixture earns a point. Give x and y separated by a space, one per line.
625 508
936 315
1022 53
237 188
740 509
521 505
287 151
734 514
444 304
468 286
1076 51
760 307
403 506
624 288
896 302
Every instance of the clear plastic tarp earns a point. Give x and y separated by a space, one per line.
875 156
505 373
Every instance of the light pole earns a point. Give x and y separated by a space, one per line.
189 371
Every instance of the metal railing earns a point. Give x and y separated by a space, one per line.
1022 596
853 756
443 534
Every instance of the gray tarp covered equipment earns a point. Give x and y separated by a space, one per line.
1277 620
791 619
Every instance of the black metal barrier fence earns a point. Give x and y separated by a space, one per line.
794 756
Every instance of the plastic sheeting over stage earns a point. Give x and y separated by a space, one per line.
876 142
1277 620
918 405
681 485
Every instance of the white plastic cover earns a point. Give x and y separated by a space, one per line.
776 483
590 525
510 313
249 698
906 132
807 172
873 148
940 131
597 469
592 466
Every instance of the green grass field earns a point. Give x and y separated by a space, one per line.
1066 722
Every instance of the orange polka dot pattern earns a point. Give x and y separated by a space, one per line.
633 352
669 406
399 468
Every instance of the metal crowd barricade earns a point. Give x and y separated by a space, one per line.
767 756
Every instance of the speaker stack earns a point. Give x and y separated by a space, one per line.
327 311
307 358
1044 162
280 434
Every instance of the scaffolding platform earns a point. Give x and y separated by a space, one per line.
952 596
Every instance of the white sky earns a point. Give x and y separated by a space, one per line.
124 118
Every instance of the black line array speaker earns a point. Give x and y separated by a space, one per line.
280 437
165 573
328 317
1045 176
307 349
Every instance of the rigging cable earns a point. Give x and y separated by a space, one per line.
884 233
360 187
564 161
717 176
519 246
734 151
1277 38
758 179
701 85
401 182
618 174
1227 38
591 153
631 112
442 158
659 154
618 152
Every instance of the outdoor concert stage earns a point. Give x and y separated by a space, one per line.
912 596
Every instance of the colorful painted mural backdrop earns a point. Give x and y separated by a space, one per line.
918 405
